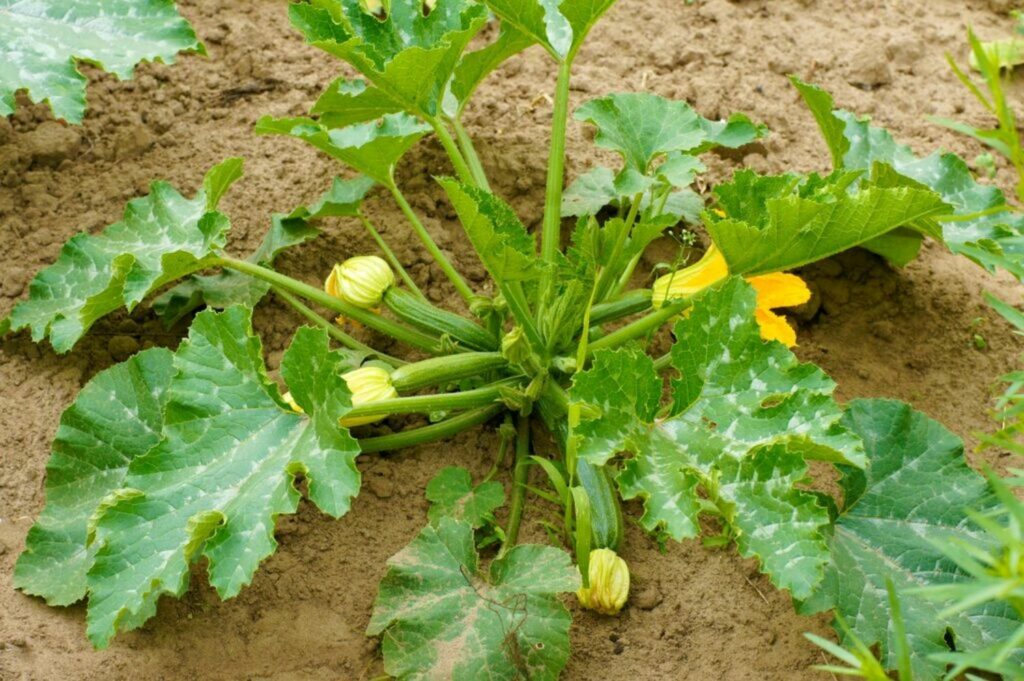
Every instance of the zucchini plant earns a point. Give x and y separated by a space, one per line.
176 456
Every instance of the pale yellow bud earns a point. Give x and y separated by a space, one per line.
609 583
368 384
287 397
360 281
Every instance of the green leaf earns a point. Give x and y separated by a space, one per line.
116 418
781 222
642 127
600 187
509 253
229 287
910 500
162 237
746 415
442 619
452 495
993 241
409 57
42 41
561 27
372 148
540 20
477 65
223 471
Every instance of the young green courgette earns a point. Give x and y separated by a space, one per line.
415 311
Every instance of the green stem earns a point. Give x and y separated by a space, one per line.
607 274
332 330
628 303
640 327
442 370
663 362
374 321
453 275
469 152
435 431
461 167
520 309
425 404
390 255
519 480
626 275
551 234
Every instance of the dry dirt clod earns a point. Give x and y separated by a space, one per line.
122 347
51 143
869 68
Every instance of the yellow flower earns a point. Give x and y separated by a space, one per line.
609 583
773 291
691 280
368 384
360 281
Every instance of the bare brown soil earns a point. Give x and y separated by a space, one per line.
694 613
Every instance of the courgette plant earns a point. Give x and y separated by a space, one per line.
172 457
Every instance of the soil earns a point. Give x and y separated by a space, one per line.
694 612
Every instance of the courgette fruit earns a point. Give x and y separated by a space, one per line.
415 311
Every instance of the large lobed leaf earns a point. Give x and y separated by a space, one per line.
40 41
409 57
372 148
992 240
776 223
746 416
161 237
165 459
508 251
442 619
561 27
897 513
223 471
229 287
451 494
642 127
116 418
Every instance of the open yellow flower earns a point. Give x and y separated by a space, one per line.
775 290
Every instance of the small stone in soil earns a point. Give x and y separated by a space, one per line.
648 599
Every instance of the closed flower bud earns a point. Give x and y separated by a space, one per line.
287 397
609 583
360 281
368 384
514 346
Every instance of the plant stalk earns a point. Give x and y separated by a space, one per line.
628 303
640 327
374 321
332 330
551 234
435 431
469 152
462 168
453 275
390 255
519 479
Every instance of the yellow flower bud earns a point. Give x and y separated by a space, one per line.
361 281
691 280
368 384
287 397
609 583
